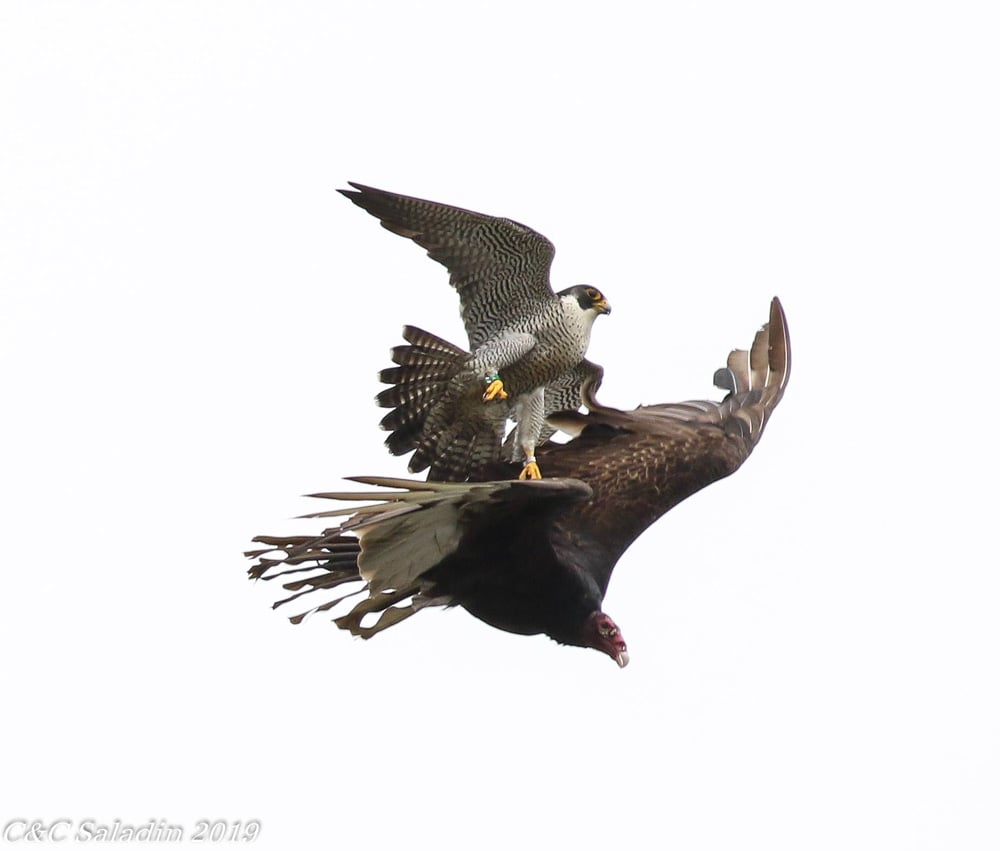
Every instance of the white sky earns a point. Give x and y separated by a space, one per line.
192 321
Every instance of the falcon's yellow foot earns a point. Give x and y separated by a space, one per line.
494 390
530 470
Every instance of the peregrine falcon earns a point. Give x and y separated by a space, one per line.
526 342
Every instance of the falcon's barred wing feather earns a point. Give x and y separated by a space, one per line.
568 392
573 388
493 261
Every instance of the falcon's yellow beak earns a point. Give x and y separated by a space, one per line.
602 306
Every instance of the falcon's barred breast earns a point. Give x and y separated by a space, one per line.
527 342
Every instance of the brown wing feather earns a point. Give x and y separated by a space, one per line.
642 463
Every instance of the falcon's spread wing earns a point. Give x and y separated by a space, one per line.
494 262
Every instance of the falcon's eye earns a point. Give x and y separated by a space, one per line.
592 294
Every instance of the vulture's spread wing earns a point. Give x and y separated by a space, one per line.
642 463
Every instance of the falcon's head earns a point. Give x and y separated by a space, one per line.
589 298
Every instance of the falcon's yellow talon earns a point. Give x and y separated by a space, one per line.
530 471
494 390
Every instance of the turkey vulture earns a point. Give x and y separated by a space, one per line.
432 543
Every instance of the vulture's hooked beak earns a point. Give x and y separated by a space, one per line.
622 659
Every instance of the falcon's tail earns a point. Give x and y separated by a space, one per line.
420 377
431 417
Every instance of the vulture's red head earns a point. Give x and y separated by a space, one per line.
603 634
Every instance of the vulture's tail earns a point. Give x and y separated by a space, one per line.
330 560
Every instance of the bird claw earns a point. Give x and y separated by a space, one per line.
530 471
494 390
